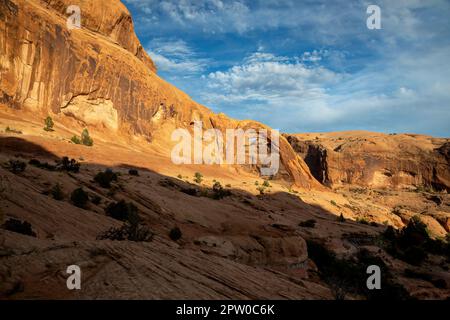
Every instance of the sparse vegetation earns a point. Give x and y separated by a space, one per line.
11 130
175 234
16 166
48 124
334 203
310 223
198 177
79 198
132 229
22 227
105 178
345 276
179 176
266 184
85 139
133 172
68 165
57 192
412 244
219 192
76 140
261 190
122 210
341 218
362 221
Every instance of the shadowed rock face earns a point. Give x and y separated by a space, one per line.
100 76
375 160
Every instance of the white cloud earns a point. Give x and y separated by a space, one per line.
175 57
269 78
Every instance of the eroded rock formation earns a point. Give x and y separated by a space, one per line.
376 160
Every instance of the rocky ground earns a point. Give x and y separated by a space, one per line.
244 245
140 226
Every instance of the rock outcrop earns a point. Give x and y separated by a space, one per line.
376 160
100 76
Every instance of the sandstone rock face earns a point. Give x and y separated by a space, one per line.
376 160
100 76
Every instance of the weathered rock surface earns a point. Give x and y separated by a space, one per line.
376 160
100 76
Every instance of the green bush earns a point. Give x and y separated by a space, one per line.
198 177
48 124
175 234
75 140
261 190
334 203
79 198
266 184
86 138
105 178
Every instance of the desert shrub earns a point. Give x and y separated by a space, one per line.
22 227
86 138
256 183
198 177
362 221
190 191
105 178
16 166
76 140
349 275
122 210
69 165
127 232
48 124
175 234
266 184
11 130
57 192
333 203
42 165
310 223
219 192
261 190
179 176
228 185
79 198
412 244
341 218
133 172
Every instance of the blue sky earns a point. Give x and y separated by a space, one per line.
306 66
